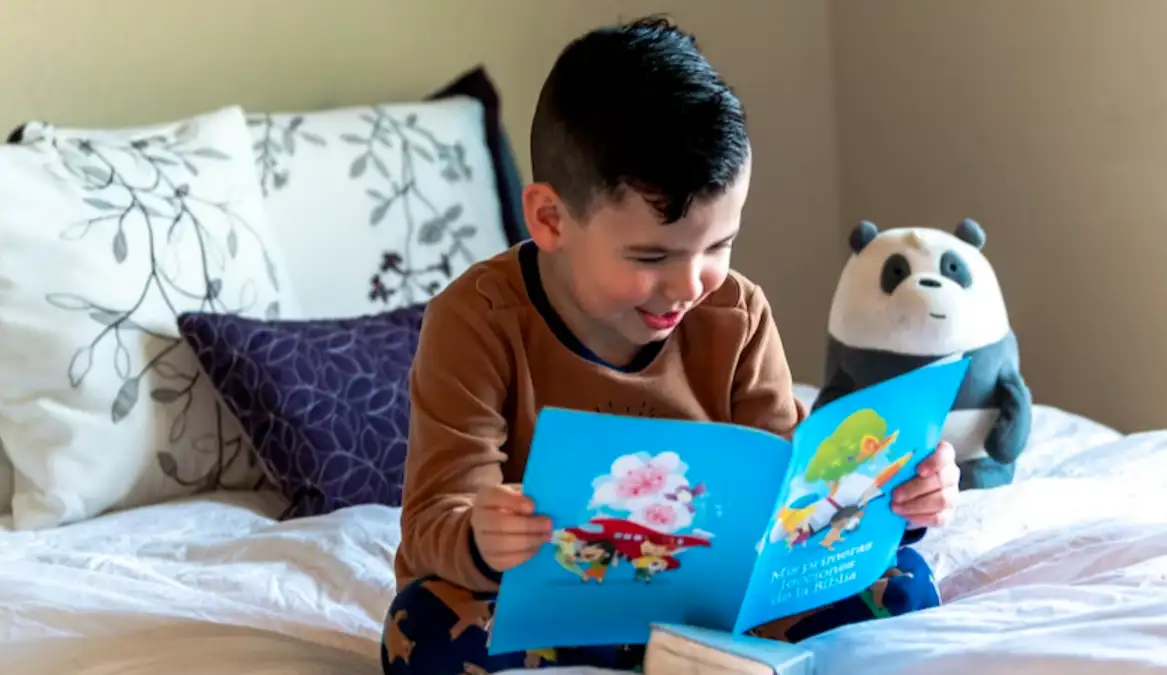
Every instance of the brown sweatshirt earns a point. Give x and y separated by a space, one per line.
493 352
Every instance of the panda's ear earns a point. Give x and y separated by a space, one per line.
970 232
862 235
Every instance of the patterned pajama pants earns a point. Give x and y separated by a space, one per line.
436 628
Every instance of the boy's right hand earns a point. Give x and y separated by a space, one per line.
506 529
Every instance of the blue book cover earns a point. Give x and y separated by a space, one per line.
714 525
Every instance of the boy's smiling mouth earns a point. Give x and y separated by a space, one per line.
660 321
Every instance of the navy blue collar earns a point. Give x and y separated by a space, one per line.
529 264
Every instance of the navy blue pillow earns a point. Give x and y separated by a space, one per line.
325 402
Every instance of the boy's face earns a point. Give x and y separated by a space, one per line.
624 279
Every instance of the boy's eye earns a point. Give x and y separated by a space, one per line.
650 260
721 246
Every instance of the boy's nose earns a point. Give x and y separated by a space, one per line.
684 286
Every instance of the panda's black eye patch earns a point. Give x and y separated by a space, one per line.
895 269
952 266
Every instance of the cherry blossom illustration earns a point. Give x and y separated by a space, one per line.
647 487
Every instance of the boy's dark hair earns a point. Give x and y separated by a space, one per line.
637 106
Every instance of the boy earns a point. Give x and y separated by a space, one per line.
622 301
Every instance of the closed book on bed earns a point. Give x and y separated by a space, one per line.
675 649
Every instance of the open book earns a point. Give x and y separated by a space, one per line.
714 525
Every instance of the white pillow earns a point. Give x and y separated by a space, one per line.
379 206
105 237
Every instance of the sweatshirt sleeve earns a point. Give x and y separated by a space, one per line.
763 389
458 387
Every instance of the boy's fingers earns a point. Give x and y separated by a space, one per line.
932 520
926 505
510 524
506 498
950 476
944 454
917 487
512 545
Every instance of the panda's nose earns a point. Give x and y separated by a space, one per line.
930 283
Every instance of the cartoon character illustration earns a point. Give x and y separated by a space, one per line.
799 536
845 519
892 469
566 546
685 496
648 566
794 517
654 559
642 511
633 540
812 513
858 439
597 556
838 465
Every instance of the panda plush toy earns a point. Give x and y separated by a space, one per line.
913 296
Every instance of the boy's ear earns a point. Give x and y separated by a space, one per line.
545 214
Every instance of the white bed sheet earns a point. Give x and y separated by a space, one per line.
208 585
1073 555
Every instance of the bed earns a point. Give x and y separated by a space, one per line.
1064 571
135 540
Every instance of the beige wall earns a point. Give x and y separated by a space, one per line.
116 62
1046 120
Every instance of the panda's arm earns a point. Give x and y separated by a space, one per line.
1011 432
839 385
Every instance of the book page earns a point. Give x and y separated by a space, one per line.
655 521
834 533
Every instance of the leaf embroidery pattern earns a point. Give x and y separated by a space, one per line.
143 187
278 140
390 155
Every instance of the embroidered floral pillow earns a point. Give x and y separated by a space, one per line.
381 206
105 238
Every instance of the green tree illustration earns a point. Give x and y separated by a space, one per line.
841 452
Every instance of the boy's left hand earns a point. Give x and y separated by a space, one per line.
930 498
